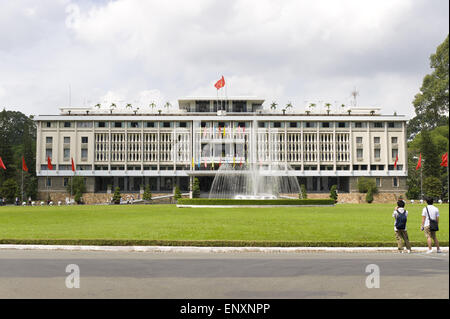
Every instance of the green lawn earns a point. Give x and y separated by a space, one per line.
363 223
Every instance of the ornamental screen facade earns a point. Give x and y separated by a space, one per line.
129 148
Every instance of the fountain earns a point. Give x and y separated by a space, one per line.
252 181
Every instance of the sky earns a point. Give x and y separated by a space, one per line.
60 53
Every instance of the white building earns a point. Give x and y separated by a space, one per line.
130 148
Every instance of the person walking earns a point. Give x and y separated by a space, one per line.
401 234
430 224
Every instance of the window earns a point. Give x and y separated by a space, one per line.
378 181
325 124
117 124
377 153
66 154
359 153
378 124
292 124
66 140
310 124
359 139
134 124
150 124
395 182
394 140
84 153
48 124
261 124
166 124
84 139
394 153
48 152
67 124
277 124
84 124
376 140
391 124
183 124
101 124
358 125
49 140
66 181
342 124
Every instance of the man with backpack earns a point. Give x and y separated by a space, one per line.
400 215
430 224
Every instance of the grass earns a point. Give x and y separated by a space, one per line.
259 202
355 224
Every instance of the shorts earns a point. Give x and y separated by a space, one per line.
429 234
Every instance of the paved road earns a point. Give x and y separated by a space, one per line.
42 274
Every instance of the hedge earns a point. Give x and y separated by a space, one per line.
206 243
213 201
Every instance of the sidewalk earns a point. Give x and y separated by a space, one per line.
192 249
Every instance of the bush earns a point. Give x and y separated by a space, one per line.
147 193
76 185
228 201
117 196
333 193
302 194
369 196
177 193
196 188
78 196
365 183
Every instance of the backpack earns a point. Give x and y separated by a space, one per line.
400 221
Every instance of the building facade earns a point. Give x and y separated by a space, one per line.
129 148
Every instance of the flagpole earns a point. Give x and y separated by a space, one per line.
421 191
22 184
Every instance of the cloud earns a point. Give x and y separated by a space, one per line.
134 51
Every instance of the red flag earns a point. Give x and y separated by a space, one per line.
73 166
24 165
444 160
49 163
396 160
419 164
220 84
1 163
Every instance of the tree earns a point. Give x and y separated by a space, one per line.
333 193
432 187
302 194
196 188
76 185
177 193
430 156
117 196
273 106
369 195
431 104
365 184
9 190
6 151
147 193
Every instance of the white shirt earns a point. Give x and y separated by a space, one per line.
433 211
395 214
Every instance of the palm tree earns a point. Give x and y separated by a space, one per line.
167 105
98 105
273 106
289 105
152 105
135 110
128 106
113 106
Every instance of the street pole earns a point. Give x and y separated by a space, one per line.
421 191
22 185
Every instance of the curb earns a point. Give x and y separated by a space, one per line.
192 249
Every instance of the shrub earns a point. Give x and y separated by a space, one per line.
78 196
76 185
369 195
147 193
333 193
117 196
302 194
365 183
196 188
177 193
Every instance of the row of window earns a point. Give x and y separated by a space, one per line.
261 124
